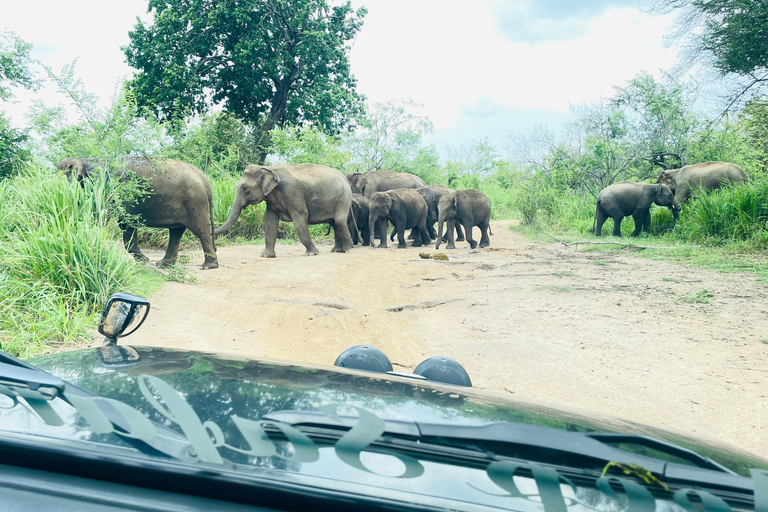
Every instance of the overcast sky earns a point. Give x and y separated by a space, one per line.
480 68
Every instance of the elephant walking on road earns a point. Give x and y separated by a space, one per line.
406 209
628 198
303 194
704 176
179 199
468 207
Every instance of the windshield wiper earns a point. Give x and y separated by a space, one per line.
35 384
544 444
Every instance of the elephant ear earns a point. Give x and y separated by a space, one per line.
390 199
268 181
359 181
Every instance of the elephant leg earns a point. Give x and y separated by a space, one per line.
617 225
485 240
412 236
450 234
300 222
172 253
647 222
381 226
392 234
365 235
639 217
341 233
424 233
400 236
130 240
270 223
600 218
459 233
468 234
201 228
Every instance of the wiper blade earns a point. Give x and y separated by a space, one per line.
32 383
545 444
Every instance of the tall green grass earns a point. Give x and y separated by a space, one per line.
61 257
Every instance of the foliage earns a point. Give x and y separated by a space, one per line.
271 63
15 71
60 259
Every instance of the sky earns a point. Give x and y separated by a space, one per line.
479 69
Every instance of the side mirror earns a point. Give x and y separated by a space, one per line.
123 314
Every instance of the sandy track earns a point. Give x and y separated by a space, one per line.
597 330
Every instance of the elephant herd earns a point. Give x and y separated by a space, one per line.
357 206
673 188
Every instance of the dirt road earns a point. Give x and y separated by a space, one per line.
654 342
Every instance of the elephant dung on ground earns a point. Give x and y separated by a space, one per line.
179 198
468 208
628 198
406 209
704 176
303 194
368 183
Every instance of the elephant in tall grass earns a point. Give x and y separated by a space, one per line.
179 198
303 194
628 198
703 176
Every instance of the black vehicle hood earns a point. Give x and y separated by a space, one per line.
220 386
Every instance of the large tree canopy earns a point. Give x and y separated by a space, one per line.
269 62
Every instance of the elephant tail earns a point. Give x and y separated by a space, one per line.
213 222
490 231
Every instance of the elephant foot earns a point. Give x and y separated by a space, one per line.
484 244
165 263
339 249
415 244
209 265
383 246
450 246
473 244
139 257
460 239
268 254
402 246
312 252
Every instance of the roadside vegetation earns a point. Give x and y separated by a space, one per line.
61 253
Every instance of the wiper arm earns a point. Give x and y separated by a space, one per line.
32 383
544 444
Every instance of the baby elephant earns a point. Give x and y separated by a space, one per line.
628 198
468 208
405 209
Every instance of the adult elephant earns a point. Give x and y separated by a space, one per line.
303 194
179 198
468 207
368 183
704 176
628 198
405 209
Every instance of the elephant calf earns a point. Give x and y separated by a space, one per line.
468 207
179 199
405 208
628 198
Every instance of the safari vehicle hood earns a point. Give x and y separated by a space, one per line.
360 432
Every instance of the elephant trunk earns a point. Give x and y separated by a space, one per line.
372 229
675 210
440 222
234 214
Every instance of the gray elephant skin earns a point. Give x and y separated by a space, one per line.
405 209
179 199
303 194
368 183
438 191
704 176
466 207
357 214
628 198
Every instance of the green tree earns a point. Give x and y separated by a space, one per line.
733 34
661 118
15 71
268 62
